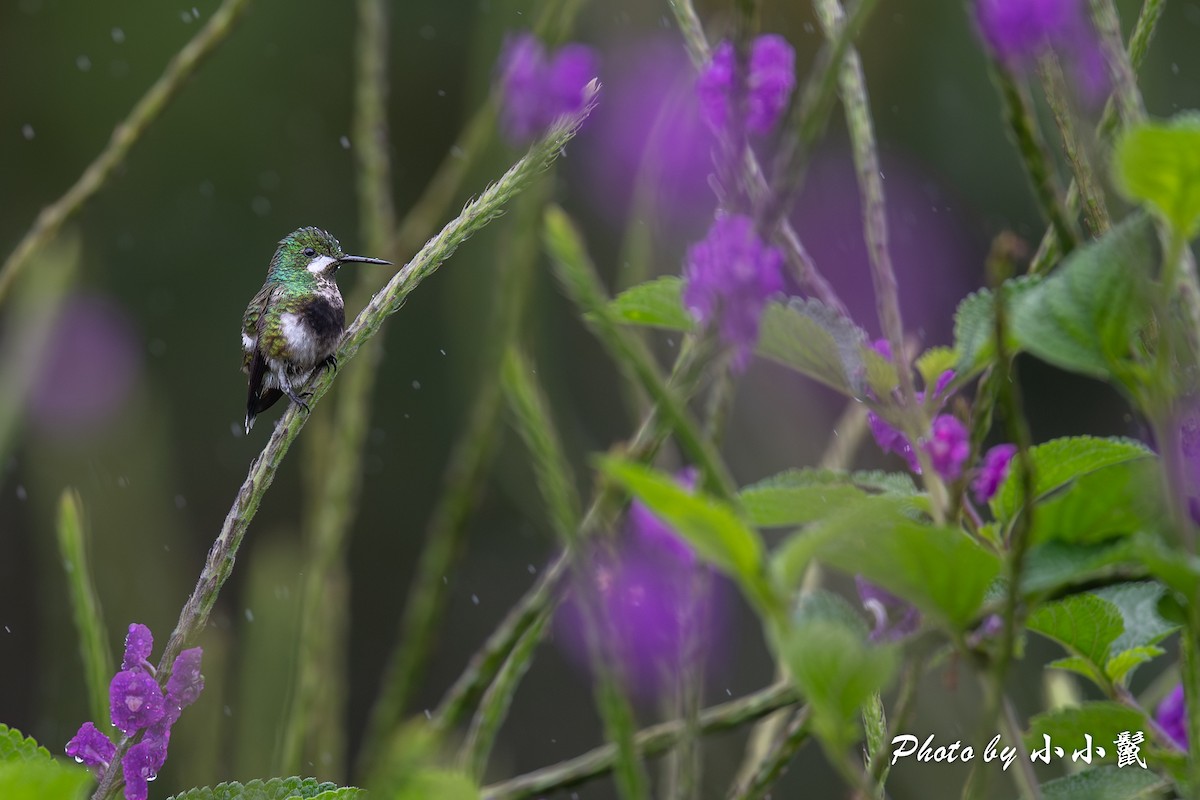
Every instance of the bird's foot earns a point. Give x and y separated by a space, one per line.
296 398
330 361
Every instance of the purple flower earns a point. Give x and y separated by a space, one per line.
894 618
891 440
1018 31
135 700
536 89
770 79
656 607
186 682
91 747
993 471
729 276
139 642
142 763
1171 715
948 446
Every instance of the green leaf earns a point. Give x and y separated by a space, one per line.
800 496
826 649
1069 728
15 746
1112 501
655 303
1173 567
933 362
43 780
808 337
1122 665
975 326
880 539
1085 316
1106 783
1143 625
1080 666
1159 164
1085 624
1053 566
711 527
273 789
1059 461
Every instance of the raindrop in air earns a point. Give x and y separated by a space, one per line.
416 385
261 205
21 493
118 35
180 502
249 615
84 63
345 141
475 599
27 132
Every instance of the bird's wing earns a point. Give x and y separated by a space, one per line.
253 363
252 322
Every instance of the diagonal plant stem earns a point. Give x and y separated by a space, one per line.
223 553
650 741
124 136
782 749
317 705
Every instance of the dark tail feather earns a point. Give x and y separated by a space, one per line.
258 400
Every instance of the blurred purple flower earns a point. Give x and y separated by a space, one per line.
535 90
1171 715
770 79
1017 32
728 278
948 446
89 368
186 682
657 608
139 643
891 440
91 747
894 618
993 471
142 763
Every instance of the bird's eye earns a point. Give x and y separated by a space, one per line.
308 251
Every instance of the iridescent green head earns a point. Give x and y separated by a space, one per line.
311 253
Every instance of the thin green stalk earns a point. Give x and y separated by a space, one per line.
774 762
1095 209
221 557
469 461
487 661
853 87
582 284
497 700
1050 250
124 136
1022 124
650 741
1120 68
752 177
315 722
85 605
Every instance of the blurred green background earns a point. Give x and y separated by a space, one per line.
142 412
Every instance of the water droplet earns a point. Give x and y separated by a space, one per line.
428 715
443 352
261 205
228 711
1174 69
27 132
22 495
532 569
441 92
207 189
475 599
416 385
457 151
186 16
268 180
249 615
427 33
7 629
83 63
180 502
195 12
122 482
118 35
345 142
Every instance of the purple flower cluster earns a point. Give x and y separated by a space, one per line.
537 88
1019 31
138 704
891 440
1171 715
657 608
948 446
729 276
770 79
993 471
894 618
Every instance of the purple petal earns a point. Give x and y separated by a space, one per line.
1171 715
570 71
993 472
772 79
948 446
714 86
135 701
522 82
139 643
91 747
186 682
894 618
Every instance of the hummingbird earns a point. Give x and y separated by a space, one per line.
294 324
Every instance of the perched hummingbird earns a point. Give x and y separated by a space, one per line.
295 322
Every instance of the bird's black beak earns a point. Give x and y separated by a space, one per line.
362 260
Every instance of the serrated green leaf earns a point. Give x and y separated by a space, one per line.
1112 501
800 496
1106 783
1159 164
1080 666
880 539
1053 566
881 374
975 326
1059 461
1173 567
1085 624
933 362
39 779
826 650
16 746
711 527
1122 665
808 337
657 303
1085 316
1069 728
271 789
343 793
